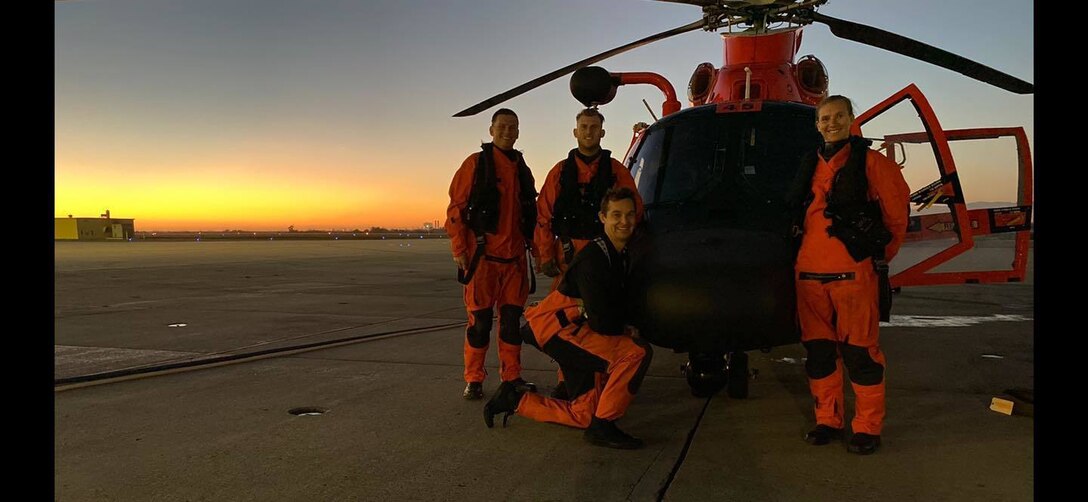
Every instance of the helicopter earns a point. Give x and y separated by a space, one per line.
712 267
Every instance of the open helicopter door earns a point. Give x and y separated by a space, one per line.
959 222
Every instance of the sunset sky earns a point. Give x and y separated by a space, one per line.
326 114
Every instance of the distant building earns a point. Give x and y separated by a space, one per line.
93 229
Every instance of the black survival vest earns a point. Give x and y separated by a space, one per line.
575 215
855 220
482 212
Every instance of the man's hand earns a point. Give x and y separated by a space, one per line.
549 268
461 261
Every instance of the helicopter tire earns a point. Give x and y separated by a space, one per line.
737 375
706 374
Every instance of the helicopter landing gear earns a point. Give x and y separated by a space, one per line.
709 373
737 371
705 373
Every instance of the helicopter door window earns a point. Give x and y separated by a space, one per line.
645 164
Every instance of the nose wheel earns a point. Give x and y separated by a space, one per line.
709 373
737 370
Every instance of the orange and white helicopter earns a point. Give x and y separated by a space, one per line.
718 277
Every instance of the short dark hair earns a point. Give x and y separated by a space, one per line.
590 112
502 111
837 98
617 194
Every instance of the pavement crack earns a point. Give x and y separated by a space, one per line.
684 452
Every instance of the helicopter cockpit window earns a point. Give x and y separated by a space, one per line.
645 164
691 163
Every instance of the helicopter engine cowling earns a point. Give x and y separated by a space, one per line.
758 67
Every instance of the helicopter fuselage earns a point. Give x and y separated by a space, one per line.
714 270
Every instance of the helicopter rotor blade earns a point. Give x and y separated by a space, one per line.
730 3
537 82
899 44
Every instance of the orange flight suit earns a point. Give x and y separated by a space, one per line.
837 299
546 241
501 278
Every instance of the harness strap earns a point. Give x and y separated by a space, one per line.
464 276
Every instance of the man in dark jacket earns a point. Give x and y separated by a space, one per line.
583 326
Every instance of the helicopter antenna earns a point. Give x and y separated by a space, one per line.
747 82
649 110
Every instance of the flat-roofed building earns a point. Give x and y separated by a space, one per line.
93 229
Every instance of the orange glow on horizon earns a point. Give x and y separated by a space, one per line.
186 202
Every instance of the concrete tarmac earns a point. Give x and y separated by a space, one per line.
394 426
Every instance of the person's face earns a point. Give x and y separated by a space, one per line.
619 220
588 132
504 131
833 120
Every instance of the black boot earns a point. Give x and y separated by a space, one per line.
863 444
473 391
523 386
560 392
605 433
505 401
822 434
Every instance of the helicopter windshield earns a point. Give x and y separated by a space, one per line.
732 169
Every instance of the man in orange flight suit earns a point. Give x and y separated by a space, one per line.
567 207
852 190
489 221
569 199
583 326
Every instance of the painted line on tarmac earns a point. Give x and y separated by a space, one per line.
950 321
